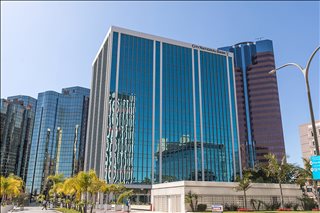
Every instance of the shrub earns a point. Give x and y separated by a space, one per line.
307 203
288 205
231 207
202 207
272 206
256 204
295 206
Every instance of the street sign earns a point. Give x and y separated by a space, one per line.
217 208
315 167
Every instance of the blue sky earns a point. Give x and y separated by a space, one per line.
51 45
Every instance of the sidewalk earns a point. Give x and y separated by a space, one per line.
37 209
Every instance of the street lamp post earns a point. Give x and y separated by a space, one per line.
305 72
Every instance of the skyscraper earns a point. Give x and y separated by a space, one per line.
155 101
59 135
17 118
259 116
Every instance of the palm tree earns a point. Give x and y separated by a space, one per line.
11 187
57 178
116 189
56 182
189 199
244 185
97 186
71 189
305 174
124 195
109 189
277 170
304 178
85 181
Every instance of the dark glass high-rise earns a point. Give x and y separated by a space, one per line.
259 116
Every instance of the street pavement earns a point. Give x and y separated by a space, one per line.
37 209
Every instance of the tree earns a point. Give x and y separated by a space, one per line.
124 195
71 189
108 189
53 185
278 170
96 186
11 187
259 175
192 199
118 189
57 178
87 184
244 185
84 181
304 178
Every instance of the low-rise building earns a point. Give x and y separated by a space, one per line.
170 197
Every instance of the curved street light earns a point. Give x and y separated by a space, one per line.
305 72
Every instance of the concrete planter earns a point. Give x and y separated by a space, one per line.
6 208
107 207
126 208
118 207
98 206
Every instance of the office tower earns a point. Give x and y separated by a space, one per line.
307 139
59 136
25 100
259 117
154 99
17 118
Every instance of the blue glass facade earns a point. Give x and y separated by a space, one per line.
59 135
17 118
184 124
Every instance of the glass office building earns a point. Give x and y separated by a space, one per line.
59 136
259 116
181 123
17 118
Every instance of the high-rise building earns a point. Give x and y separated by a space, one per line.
307 139
259 116
17 118
27 101
59 136
161 110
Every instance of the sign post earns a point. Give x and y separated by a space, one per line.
315 169
217 208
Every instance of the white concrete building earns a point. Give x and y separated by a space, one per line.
306 139
170 197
